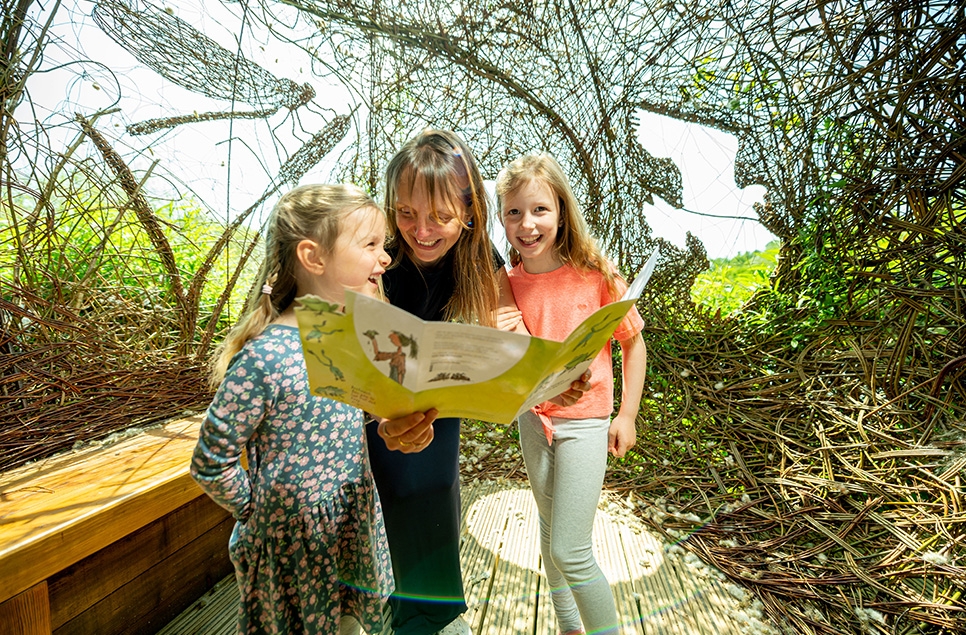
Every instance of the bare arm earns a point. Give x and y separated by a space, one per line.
508 315
623 429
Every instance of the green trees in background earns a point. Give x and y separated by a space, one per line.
731 282
96 259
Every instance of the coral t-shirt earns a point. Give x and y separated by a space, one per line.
553 305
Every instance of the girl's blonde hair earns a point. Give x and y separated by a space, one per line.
441 161
308 212
574 245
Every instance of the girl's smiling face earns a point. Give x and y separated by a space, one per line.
531 217
429 236
358 258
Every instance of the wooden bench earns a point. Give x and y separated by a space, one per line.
109 539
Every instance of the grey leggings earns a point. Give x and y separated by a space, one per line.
566 479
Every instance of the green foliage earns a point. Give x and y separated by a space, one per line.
195 235
96 258
731 282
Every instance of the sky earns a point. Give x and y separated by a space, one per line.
706 158
227 165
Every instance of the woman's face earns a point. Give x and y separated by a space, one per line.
429 237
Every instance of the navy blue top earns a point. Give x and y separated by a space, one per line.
424 290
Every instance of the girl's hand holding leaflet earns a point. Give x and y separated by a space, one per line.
409 434
570 396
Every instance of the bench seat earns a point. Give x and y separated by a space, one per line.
109 538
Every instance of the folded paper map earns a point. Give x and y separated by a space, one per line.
390 363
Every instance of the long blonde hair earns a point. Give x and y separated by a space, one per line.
443 162
308 212
574 245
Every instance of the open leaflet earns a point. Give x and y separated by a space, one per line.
390 363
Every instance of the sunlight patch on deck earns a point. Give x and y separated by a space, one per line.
612 536
658 588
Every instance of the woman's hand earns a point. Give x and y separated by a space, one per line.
409 434
577 389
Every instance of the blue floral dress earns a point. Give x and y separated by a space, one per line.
309 546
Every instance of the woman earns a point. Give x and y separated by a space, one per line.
444 268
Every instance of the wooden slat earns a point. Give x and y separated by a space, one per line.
717 614
26 613
609 552
59 511
639 551
478 548
644 596
159 595
515 584
85 583
656 592
214 613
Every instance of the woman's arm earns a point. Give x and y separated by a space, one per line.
508 315
623 429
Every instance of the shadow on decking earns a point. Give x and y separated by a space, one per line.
658 588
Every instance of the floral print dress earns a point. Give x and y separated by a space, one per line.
309 546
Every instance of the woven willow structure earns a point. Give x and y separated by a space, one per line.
811 446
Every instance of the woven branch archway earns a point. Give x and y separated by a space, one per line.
811 447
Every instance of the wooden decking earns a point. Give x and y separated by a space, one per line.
658 587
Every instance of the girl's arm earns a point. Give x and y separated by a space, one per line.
237 409
508 315
216 464
623 429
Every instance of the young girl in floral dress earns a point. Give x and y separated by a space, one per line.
309 547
